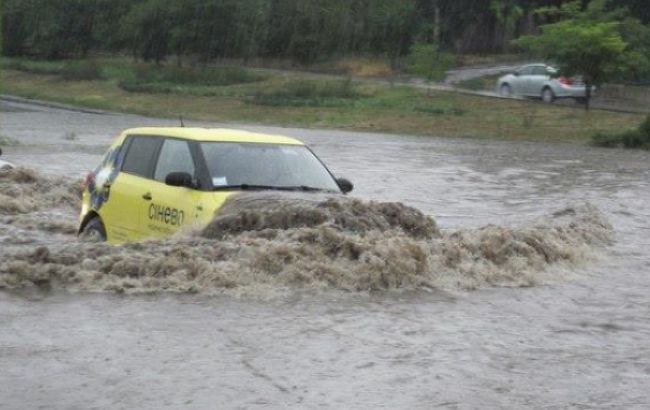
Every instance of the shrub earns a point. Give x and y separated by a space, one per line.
310 94
440 110
152 79
194 76
365 67
637 138
33 66
644 128
134 86
80 70
427 61
606 140
68 70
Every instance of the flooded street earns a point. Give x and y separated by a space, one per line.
578 337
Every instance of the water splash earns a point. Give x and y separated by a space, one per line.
268 241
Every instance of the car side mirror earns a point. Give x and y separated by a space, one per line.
182 179
516 74
344 185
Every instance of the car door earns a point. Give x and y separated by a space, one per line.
123 211
171 208
537 80
522 85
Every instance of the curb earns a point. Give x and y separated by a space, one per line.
48 104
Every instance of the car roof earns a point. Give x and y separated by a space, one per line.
212 134
537 65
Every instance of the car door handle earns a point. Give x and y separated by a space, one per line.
147 196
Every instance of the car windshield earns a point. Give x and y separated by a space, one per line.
249 165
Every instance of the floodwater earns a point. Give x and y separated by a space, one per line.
579 337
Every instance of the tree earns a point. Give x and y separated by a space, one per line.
427 61
585 42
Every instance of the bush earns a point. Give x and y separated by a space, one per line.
164 80
365 67
134 86
607 140
427 61
194 76
638 138
440 110
67 70
634 139
80 70
644 128
309 94
34 66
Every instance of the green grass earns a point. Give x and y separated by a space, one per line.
306 101
631 138
32 66
147 78
135 77
309 93
80 70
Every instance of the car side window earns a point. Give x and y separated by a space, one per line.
526 71
140 155
540 70
175 156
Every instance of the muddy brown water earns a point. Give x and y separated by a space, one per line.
575 337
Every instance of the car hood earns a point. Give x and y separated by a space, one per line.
254 200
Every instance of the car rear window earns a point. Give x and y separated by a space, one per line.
140 155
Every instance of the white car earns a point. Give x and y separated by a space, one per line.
541 81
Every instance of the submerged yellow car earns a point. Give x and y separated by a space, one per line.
155 181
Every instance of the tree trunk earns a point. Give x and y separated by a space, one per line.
436 24
587 95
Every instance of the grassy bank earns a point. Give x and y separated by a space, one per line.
632 138
239 95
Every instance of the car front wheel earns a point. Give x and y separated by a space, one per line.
93 231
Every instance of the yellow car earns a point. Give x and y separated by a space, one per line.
155 181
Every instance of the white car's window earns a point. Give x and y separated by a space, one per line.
526 71
540 70
175 156
140 155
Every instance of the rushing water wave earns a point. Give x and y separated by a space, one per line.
272 240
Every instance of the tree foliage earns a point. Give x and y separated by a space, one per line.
592 42
428 62
300 30
593 50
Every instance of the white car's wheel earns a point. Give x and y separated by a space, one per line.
505 90
547 95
